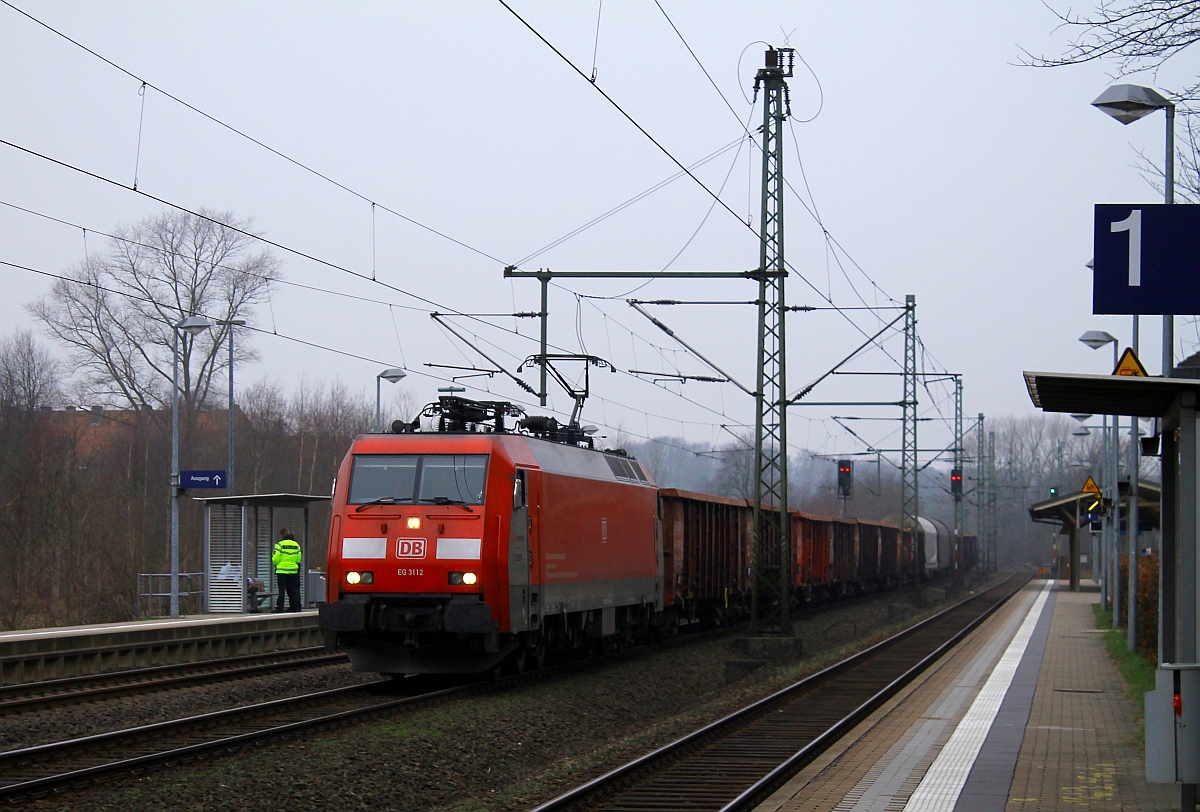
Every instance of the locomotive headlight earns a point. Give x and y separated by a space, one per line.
413 523
353 577
462 578
456 579
469 578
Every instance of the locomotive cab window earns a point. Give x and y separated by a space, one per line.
417 478
383 476
456 477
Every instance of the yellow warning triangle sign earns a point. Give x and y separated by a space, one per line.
1090 487
1130 366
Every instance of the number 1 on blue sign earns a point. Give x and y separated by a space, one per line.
1132 224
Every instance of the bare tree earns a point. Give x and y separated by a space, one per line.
28 373
736 476
266 409
1137 36
116 313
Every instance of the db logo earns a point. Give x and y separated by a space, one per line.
410 548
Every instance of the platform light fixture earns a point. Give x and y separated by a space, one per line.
1127 104
391 376
230 323
193 326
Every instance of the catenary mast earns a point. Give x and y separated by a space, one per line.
769 604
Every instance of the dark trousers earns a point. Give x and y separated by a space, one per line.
289 583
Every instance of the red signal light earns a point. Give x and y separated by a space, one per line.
845 479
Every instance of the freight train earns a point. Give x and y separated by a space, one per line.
461 544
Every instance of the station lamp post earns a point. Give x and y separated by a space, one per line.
193 326
391 376
1097 339
230 323
1128 103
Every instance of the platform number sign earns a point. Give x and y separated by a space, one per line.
1147 259
1132 225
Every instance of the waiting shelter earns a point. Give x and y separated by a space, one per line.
239 535
1173 707
1075 511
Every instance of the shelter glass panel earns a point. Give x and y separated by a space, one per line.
225 570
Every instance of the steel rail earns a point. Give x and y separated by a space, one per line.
607 781
778 776
17 759
64 690
13 760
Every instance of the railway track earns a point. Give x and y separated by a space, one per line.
736 762
57 766
68 690
52 767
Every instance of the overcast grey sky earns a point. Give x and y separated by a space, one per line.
939 166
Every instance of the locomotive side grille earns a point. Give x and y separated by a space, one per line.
626 469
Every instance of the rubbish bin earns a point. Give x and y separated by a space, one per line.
315 587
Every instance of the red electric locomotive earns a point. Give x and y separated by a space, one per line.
456 543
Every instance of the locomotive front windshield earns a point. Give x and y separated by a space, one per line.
418 478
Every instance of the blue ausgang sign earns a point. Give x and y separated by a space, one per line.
1147 259
202 479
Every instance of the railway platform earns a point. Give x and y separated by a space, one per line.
1027 713
66 651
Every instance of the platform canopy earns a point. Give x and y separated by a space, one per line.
267 500
1106 394
1064 509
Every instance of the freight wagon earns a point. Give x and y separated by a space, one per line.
461 543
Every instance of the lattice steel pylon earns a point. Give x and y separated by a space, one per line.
991 501
909 474
959 506
769 603
981 488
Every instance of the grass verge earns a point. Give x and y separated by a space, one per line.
1136 670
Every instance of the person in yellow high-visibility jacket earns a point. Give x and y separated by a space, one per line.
286 560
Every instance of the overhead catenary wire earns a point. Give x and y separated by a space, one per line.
673 159
281 246
274 330
145 83
618 108
300 165
358 356
194 258
476 317
745 127
617 209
